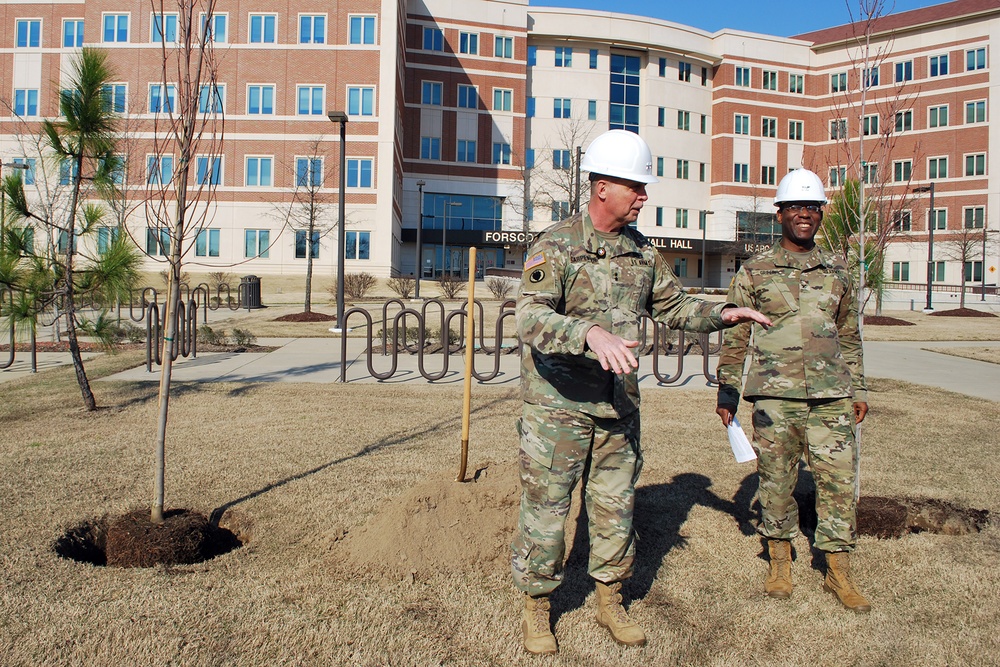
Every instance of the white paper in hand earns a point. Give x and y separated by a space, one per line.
738 441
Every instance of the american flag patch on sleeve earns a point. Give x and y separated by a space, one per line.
535 260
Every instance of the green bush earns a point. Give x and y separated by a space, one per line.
244 338
211 337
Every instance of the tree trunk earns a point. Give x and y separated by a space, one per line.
961 298
309 268
89 401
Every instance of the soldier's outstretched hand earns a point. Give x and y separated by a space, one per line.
614 352
737 315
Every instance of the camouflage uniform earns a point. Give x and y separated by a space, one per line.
805 373
578 418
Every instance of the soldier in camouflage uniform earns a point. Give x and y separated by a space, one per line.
806 381
586 282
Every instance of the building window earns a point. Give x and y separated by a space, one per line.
938 116
359 172
468 43
939 65
361 29
904 121
704 123
28 175
303 246
743 76
559 210
258 172
26 102
158 242
900 272
503 99
560 108
683 167
308 172
208 171
702 171
659 216
704 76
310 101
902 170
659 166
684 120
162 98
769 81
663 67
838 175
114 95
430 93
215 31
262 28
869 172
593 58
902 221
68 171
106 237
564 56
795 130
975 59
869 125
702 219
159 169
975 165
29 33
741 173
430 148
767 175
939 218
937 167
312 29
683 71
769 127
681 267
975 217
260 100
72 33
561 159
358 245
974 270
503 47
115 28
871 77
433 39
975 112
468 97
164 29
741 124
592 110
681 218
210 99
206 243
256 242
501 153
360 101
838 82
904 71
532 56
938 271
624 93
466 150
796 83
838 128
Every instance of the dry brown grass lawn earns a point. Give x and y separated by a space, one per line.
990 354
933 327
307 463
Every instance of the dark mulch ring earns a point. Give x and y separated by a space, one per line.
886 321
132 540
962 312
306 317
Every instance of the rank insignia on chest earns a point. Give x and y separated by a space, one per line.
601 252
535 260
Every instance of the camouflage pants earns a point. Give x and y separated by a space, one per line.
823 431
557 447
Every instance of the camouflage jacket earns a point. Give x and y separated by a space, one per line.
814 348
574 279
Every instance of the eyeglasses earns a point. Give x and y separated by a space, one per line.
809 208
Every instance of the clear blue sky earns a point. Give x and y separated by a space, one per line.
771 17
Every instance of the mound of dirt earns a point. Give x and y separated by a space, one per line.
886 321
894 517
962 312
440 525
306 317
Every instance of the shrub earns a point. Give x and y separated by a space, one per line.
450 287
212 337
128 332
243 338
356 285
402 285
500 288
216 278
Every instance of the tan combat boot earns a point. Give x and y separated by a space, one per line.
612 615
838 581
779 576
538 637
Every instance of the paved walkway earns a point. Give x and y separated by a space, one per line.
318 360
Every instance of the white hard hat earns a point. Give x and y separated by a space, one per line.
620 153
800 185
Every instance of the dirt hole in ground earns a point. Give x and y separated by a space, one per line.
132 540
889 518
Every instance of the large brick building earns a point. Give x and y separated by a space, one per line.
472 113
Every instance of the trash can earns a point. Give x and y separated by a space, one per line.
250 292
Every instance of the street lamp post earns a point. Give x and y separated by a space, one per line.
704 239
931 222
420 229
445 264
341 118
